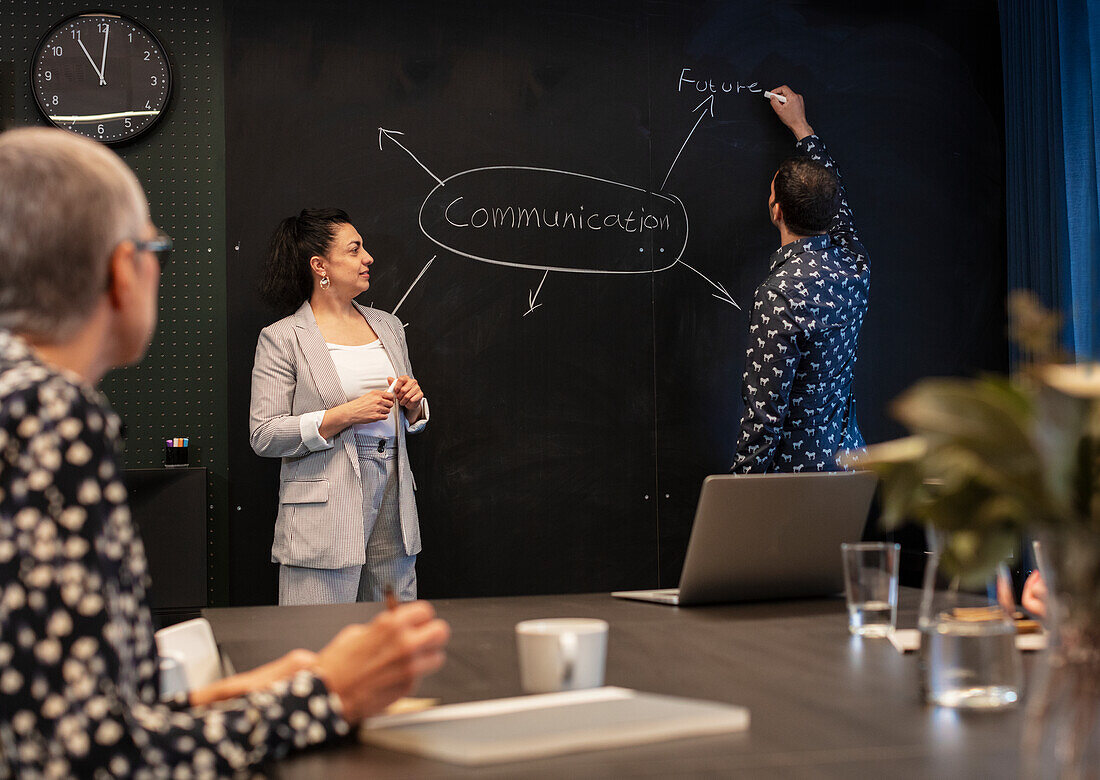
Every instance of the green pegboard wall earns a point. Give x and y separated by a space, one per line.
179 389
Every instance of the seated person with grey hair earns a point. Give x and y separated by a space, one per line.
78 667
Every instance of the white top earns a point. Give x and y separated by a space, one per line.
361 369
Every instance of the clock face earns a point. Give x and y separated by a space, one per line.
101 75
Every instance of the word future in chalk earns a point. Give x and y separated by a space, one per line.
709 85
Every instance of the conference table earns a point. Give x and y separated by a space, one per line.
823 704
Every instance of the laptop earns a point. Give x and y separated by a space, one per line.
768 536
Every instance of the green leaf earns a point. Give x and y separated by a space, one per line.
985 415
990 457
973 556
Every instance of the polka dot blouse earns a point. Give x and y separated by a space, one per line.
78 668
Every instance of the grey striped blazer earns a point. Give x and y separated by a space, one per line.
320 519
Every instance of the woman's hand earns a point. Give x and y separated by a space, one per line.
257 679
370 407
368 665
367 408
371 665
407 391
374 406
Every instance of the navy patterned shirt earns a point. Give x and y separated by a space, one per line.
805 322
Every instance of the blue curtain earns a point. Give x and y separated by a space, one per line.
1051 59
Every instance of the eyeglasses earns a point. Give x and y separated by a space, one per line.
160 246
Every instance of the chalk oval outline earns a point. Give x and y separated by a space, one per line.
556 269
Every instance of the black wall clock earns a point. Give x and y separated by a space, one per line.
101 75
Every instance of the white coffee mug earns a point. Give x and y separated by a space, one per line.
561 654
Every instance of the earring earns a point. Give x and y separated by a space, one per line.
325 282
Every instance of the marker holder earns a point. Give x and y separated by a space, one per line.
175 452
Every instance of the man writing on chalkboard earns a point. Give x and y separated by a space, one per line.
806 316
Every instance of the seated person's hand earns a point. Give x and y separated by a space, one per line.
255 679
1034 598
371 665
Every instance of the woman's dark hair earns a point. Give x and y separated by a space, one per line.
809 195
287 278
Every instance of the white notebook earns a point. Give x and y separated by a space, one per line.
526 727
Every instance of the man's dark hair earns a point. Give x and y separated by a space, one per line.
808 193
287 279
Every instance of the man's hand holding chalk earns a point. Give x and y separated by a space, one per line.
788 106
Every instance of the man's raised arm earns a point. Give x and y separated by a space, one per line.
792 113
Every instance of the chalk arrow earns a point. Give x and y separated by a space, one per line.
531 296
707 107
725 297
411 286
390 134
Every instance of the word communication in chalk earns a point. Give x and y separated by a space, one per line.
770 95
505 217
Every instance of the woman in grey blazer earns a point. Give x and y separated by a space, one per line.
333 396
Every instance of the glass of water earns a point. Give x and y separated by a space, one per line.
871 585
968 658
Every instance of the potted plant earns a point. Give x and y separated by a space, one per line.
991 461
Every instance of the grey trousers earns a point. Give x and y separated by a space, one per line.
387 564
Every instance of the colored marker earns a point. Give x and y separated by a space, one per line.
770 95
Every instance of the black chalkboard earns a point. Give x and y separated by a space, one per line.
567 208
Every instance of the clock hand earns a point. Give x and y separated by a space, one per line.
89 56
103 62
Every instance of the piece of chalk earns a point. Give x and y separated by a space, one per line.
393 384
770 95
